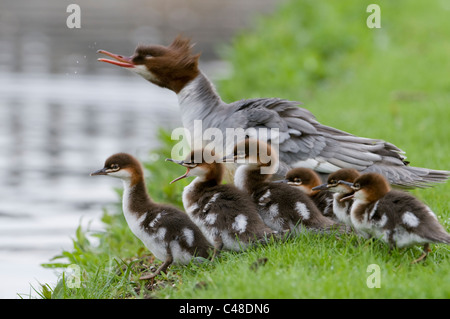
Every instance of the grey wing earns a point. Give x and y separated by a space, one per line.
304 142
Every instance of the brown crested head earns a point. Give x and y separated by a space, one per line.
122 165
170 66
340 181
344 174
253 151
202 163
302 176
371 187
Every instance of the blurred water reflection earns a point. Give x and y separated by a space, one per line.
62 113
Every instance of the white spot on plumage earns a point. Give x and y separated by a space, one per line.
302 210
189 236
240 223
263 199
155 220
410 219
210 202
161 233
374 210
382 221
273 210
210 218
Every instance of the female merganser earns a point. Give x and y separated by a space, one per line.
165 230
397 217
305 179
282 208
226 215
303 141
338 185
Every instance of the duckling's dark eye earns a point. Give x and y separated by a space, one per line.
297 180
333 182
357 186
115 166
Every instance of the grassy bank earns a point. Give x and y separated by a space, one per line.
390 83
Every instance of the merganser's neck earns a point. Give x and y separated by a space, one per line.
197 100
136 200
249 178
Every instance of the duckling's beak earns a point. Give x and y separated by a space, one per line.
100 172
284 181
175 161
345 183
229 158
119 60
182 176
343 199
182 163
322 187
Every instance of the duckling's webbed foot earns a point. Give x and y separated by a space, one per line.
162 268
218 245
426 250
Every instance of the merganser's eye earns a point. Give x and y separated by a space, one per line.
333 182
115 166
356 186
297 180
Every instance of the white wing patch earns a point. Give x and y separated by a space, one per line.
410 219
189 236
210 202
302 210
240 223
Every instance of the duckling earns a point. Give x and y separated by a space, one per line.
281 207
165 230
305 179
339 185
226 215
397 217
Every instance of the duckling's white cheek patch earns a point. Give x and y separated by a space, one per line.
240 223
302 210
410 219
123 173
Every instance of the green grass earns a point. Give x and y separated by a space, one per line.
390 83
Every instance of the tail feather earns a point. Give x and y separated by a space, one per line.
440 237
410 176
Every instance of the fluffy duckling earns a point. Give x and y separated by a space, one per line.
226 215
305 179
165 230
281 207
339 185
397 217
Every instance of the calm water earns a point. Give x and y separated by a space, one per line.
54 131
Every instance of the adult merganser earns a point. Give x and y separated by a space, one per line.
336 186
165 230
226 215
282 207
303 141
305 179
397 217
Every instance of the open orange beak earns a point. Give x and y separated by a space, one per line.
182 164
119 60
